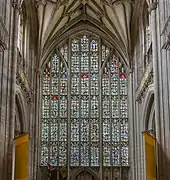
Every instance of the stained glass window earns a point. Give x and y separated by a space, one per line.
84 106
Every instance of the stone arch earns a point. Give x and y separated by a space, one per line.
21 111
87 170
78 27
148 110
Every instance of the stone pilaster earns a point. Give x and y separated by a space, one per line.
132 161
6 37
12 88
154 26
163 40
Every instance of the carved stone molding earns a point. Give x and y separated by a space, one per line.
147 80
114 2
15 4
57 2
22 80
3 36
152 6
166 34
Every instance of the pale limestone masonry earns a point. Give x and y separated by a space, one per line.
148 69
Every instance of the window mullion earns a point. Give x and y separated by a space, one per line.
119 113
89 114
100 113
79 53
69 110
59 118
110 109
50 96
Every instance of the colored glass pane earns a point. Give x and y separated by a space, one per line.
78 94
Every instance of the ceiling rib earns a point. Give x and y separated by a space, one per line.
112 14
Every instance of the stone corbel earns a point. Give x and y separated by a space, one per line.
166 34
152 7
166 45
147 80
43 2
145 86
15 4
115 2
22 81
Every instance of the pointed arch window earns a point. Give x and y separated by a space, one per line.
84 106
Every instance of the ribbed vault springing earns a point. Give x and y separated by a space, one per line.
57 15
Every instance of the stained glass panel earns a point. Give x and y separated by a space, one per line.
105 52
84 106
94 153
84 130
63 106
54 130
84 62
124 153
75 153
45 130
62 153
84 154
94 65
75 84
94 130
84 84
44 153
55 66
95 107
106 130
106 107
89 100
54 160
74 129
75 62
64 52
63 130
94 84
115 130
75 106
106 153
46 85
116 154
124 130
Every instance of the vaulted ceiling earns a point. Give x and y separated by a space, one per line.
113 15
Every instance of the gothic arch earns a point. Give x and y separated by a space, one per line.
74 155
78 27
87 170
19 100
148 110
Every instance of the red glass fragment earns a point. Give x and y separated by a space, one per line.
49 166
85 75
54 97
75 107
122 75
62 89
53 153
46 70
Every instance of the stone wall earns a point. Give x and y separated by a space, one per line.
7 85
17 99
150 93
